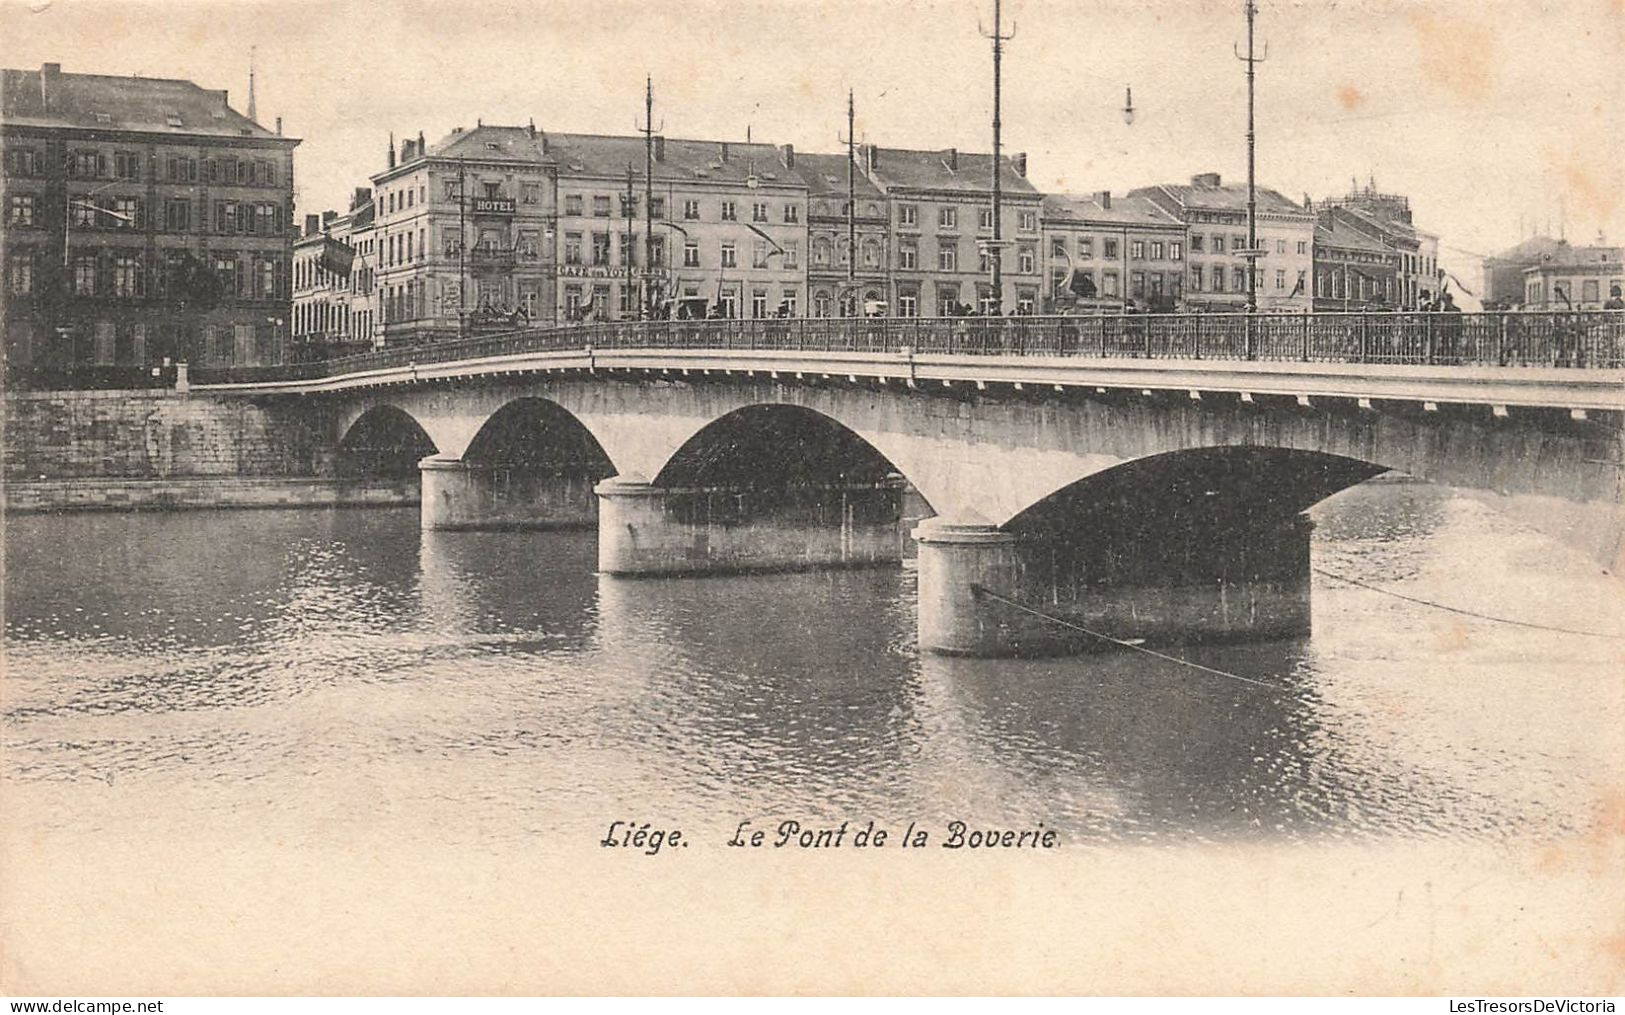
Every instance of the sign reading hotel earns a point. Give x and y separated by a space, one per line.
493 206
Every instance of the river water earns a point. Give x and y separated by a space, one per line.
306 675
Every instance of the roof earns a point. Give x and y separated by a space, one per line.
1566 255
489 141
947 169
825 176
681 159
1225 197
1131 210
50 98
1532 249
1333 232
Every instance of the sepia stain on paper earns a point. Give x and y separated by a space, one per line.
1350 97
1457 55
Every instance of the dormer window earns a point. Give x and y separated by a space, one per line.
104 117
173 119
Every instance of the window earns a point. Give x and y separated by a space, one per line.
820 304
871 254
1156 250
758 213
21 268
20 210
84 275
1086 247
1057 247
1028 222
177 216
908 215
947 255
985 261
1280 246
657 207
629 205
984 218
1176 251
1108 282
1137 285
127 280
1026 260
1238 242
1238 279
820 252
908 304
908 256
84 212
22 161
127 165
572 204
265 218
1196 278
531 193
126 212
1109 249
1137 250
600 248
787 300
1280 278
730 257
572 301
1217 246
729 300
758 303
600 206
1589 291
572 248
1218 278
1025 298
451 190
792 253
1303 247
947 300
1196 243
948 218
758 256
728 212
691 210
225 269
691 253
267 279
792 213
629 248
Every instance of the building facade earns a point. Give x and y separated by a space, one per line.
1215 219
1573 278
729 227
940 210
1353 269
842 281
1503 284
145 221
461 230
1126 252
336 305
1386 218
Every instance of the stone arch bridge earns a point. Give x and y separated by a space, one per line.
1155 496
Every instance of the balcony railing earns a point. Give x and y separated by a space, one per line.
1579 340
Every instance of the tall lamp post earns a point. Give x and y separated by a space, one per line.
995 246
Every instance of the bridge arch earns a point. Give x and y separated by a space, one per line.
383 440
538 435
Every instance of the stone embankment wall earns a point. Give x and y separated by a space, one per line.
125 450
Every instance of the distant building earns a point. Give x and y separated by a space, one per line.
941 212
145 219
1386 218
1504 284
832 289
335 293
1354 270
730 226
1573 278
1215 218
1120 250
461 229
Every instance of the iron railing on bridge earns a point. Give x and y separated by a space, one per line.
1580 340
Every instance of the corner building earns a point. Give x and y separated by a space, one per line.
145 219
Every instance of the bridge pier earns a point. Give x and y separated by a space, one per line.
646 529
987 592
458 494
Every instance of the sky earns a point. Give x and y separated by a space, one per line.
1496 117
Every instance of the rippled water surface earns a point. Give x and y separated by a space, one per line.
317 674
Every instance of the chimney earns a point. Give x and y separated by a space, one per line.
531 127
1018 161
279 126
871 156
48 75
327 219
951 156
313 223
1105 197
660 148
724 146
421 145
406 151
361 196
392 149
1205 180
787 154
